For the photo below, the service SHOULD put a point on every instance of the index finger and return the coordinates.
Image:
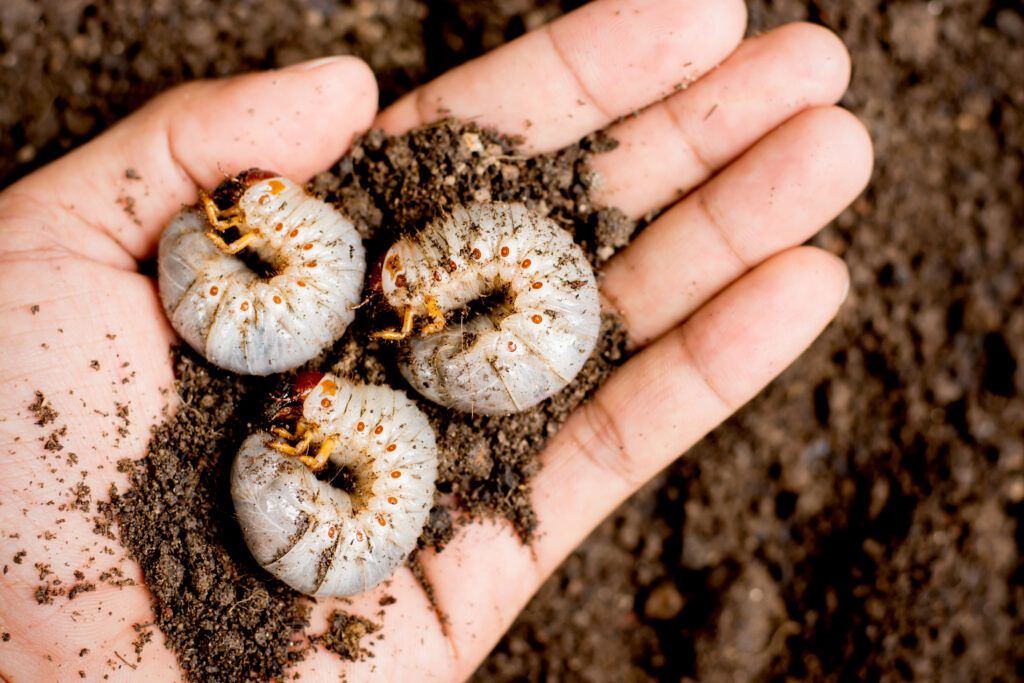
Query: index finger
(581, 72)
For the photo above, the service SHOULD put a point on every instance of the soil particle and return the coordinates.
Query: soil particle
(77, 588)
(53, 441)
(82, 494)
(45, 414)
(144, 637)
(344, 634)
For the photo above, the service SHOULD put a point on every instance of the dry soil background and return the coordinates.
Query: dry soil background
(862, 517)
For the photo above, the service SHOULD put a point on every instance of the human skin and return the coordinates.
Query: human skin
(749, 161)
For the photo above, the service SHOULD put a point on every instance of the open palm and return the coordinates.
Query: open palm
(749, 161)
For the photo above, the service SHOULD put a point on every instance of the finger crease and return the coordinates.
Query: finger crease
(613, 303)
(702, 201)
(426, 584)
(690, 358)
(172, 154)
(420, 105)
(606, 449)
(575, 75)
(706, 166)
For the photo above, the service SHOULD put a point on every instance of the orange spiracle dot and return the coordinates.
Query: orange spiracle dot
(536, 319)
(300, 283)
(245, 306)
(311, 264)
(477, 254)
(359, 535)
(264, 199)
(437, 276)
(452, 265)
(391, 448)
(526, 263)
(393, 264)
(360, 427)
(379, 429)
(326, 403)
(277, 299)
(392, 500)
(279, 227)
(294, 232)
(504, 251)
(330, 532)
(307, 246)
(400, 280)
(214, 290)
(396, 474)
(537, 285)
(380, 520)
(511, 346)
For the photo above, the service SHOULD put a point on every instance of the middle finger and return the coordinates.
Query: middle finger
(678, 143)
(778, 194)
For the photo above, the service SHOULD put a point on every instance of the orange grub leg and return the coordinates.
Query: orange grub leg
(236, 246)
(298, 449)
(398, 335)
(315, 463)
(437, 316)
(223, 220)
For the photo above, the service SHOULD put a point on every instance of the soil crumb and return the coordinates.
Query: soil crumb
(344, 634)
(225, 617)
(45, 414)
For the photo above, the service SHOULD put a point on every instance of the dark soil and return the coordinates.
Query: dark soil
(344, 633)
(862, 517)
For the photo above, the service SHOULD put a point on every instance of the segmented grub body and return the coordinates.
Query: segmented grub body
(527, 346)
(247, 323)
(317, 538)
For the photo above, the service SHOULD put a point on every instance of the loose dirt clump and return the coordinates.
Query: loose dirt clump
(45, 414)
(344, 635)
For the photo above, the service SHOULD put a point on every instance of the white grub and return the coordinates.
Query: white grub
(257, 325)
(317, 538)
(520, 351)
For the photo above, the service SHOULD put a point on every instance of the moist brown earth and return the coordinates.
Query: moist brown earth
(862, 517)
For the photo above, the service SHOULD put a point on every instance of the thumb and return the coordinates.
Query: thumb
(131, 180)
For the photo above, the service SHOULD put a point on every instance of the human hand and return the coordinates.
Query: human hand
(715, 291)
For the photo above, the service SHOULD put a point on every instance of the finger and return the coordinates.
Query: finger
(655, 407)
(581, 72)
(678, 143)
(295, 121)
(775, 196)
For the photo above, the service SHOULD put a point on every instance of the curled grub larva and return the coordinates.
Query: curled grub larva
(315, 537)
(524, 348)
(261, 323)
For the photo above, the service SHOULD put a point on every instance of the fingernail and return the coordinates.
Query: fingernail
(313, 64)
